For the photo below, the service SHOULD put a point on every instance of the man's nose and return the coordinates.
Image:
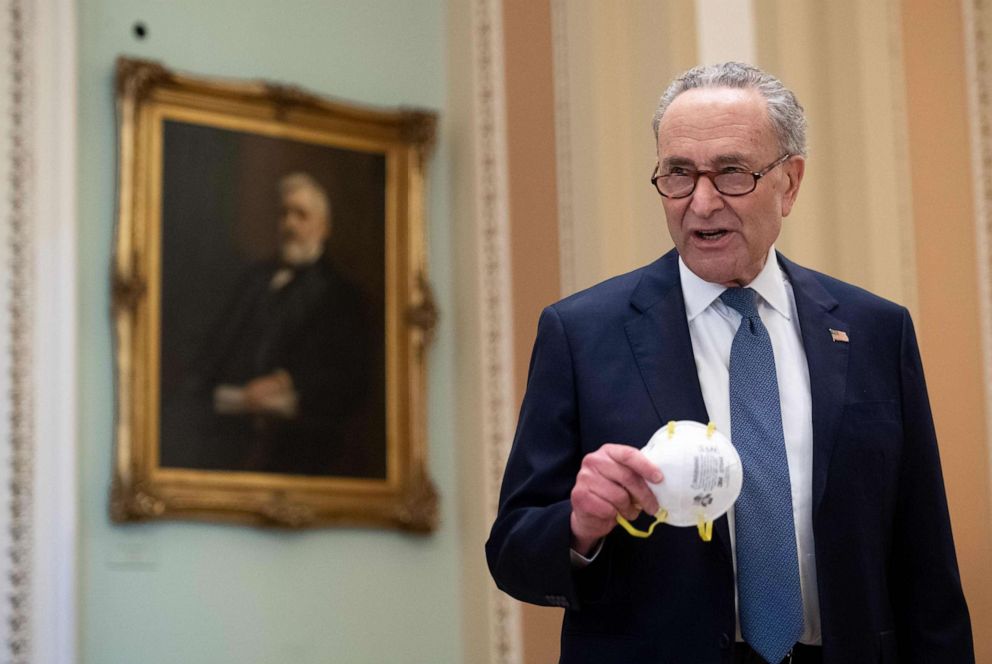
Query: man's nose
(705, 199)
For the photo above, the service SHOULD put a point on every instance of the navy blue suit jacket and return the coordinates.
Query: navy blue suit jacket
(613, 364)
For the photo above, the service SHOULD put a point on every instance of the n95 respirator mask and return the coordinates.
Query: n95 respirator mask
(703, 477)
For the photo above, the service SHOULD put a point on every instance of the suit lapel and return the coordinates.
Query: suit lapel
(827, 361)
(659, 339)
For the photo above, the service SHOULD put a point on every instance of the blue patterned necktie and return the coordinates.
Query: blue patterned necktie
(768, 591)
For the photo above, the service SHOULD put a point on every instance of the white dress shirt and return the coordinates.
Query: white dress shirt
(712, 326)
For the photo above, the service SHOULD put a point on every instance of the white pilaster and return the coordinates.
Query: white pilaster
(496, 311)
(38, 438)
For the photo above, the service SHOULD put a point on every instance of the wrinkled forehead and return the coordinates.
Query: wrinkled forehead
(707, 123)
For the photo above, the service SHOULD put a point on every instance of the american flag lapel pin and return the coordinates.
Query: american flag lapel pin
(839, 336)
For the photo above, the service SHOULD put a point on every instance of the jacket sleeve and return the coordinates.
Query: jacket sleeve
(528, 547)
(932, 622)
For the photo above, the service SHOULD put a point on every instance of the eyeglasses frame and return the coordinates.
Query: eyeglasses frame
(757, 175)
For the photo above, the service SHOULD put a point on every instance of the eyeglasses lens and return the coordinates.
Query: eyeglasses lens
(731, 184)
(734, 183)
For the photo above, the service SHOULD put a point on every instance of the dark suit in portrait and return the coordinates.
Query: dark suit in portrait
(284, 379)
(312, 328)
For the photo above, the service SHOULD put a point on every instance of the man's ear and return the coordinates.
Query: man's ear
(794, 168)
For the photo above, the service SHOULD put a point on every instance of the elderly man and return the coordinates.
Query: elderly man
(286, 365)
(839, 548)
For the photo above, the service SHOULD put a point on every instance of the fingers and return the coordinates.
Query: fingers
(635, 460)
(628, 470)
(612, 480)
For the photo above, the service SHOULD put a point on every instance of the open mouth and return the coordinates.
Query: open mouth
(711, 235)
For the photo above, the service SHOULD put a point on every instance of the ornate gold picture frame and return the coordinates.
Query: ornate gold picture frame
(271, 306)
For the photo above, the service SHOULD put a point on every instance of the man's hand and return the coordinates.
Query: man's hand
(271, 394)
(612, 480)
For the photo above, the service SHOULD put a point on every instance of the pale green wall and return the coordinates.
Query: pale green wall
(217, 594)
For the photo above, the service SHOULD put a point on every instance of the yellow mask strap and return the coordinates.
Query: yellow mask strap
(629, 527)
(705, 529)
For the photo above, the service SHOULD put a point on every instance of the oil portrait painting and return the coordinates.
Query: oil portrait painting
(272, 307)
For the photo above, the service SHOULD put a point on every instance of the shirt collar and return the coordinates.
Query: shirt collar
(769, 284)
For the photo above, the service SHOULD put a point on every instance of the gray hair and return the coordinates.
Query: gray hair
(784, 111)
(293, 181)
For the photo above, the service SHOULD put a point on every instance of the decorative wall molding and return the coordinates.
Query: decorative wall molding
(37, 445)
(18, 438)
(496, 312)
(978, 62)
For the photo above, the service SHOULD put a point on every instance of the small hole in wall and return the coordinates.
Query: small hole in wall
(140, 31)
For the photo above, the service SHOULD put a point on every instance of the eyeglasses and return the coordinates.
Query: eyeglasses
(681, 182)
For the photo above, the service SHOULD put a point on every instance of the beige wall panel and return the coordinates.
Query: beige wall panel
(939, 151)
(781, 29)
(531, 158)
(843, 60)
(725, 31)
(620, 56)
(533, 209)
(978, 41)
